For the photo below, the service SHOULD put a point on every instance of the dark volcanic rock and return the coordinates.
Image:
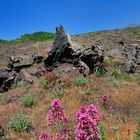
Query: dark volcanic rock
(20, 61)
(6, 78)
(65, 51)
(131, 56)
(1, 131)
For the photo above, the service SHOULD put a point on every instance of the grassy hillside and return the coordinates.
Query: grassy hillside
(134, 30)
(33, 37)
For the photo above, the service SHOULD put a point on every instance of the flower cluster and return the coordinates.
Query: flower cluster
(44, 135)
(57, 117)
(49, 76)
(91, 110)
(56, 113)
(104, 99)
(87, 118)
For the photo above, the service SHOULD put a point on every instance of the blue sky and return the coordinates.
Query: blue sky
(77, 16)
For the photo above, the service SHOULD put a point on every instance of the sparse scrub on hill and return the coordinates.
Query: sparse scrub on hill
(137, 132)
(44, 83)
(28, 101)
(20, 124)
(134, 30)
(14, 85)
(33, 37)
(83, 45)
(102, 131)
(57, 93)
(118, 75)
(80, 81)
(98, 72)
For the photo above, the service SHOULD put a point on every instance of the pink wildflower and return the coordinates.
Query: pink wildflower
(44, 135)
(87, 128)
(104, 99)
(49, 76)
(91, 110)
(88, 119)
(56, 113)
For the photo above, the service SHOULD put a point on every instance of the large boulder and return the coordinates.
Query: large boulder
(20, 61)
(66, 51)
(6, 79)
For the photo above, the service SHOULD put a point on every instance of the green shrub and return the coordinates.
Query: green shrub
(20, 124)
(28, 101)
(102, 129)
(44, 83)
(134, 30)
(14, 85)
(137, 132)
(97, 72)
(80, 81)
(117, 74)
(83, 45)
(58, 93)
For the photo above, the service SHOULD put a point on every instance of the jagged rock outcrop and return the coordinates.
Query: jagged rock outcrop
(18, 69)
(65, 51)
(23, 61)
(6, 78)
(131, 56)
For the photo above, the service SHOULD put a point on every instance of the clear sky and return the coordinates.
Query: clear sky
(77, 16)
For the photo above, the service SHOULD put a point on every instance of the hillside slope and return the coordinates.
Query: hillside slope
(115, 93)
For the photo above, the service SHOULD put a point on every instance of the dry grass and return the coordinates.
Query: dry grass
(124, 101)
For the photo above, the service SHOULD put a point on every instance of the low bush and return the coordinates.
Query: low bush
(80, 81)
(19, 124)
(97, 72)
(102, 129)
(28, 101)
(44, 83)
(58, 93)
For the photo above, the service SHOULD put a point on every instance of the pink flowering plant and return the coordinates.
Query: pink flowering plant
(44, 135)
(58, 120)
(105, 101)
(49, 76)
(87, 118)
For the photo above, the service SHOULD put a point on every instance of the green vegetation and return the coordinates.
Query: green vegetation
(97, 72)
(20, 124)
(118, 75)
(33, 37)
(58, 93)
(3, 41)
(137, 132)
(28, 101)
(14, 85)
(134, 30)
(102, 129)
(80, 81)
(93, 34)
(44, 83)
(83, 45)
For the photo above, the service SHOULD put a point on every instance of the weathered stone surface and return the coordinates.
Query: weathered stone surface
(6, 78)
(26, 76)
(65, 51)
(138, 54)
(20, 61)
(1, 131)
(131, 56)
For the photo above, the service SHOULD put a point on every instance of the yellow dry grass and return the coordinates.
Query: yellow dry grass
(123, 98)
